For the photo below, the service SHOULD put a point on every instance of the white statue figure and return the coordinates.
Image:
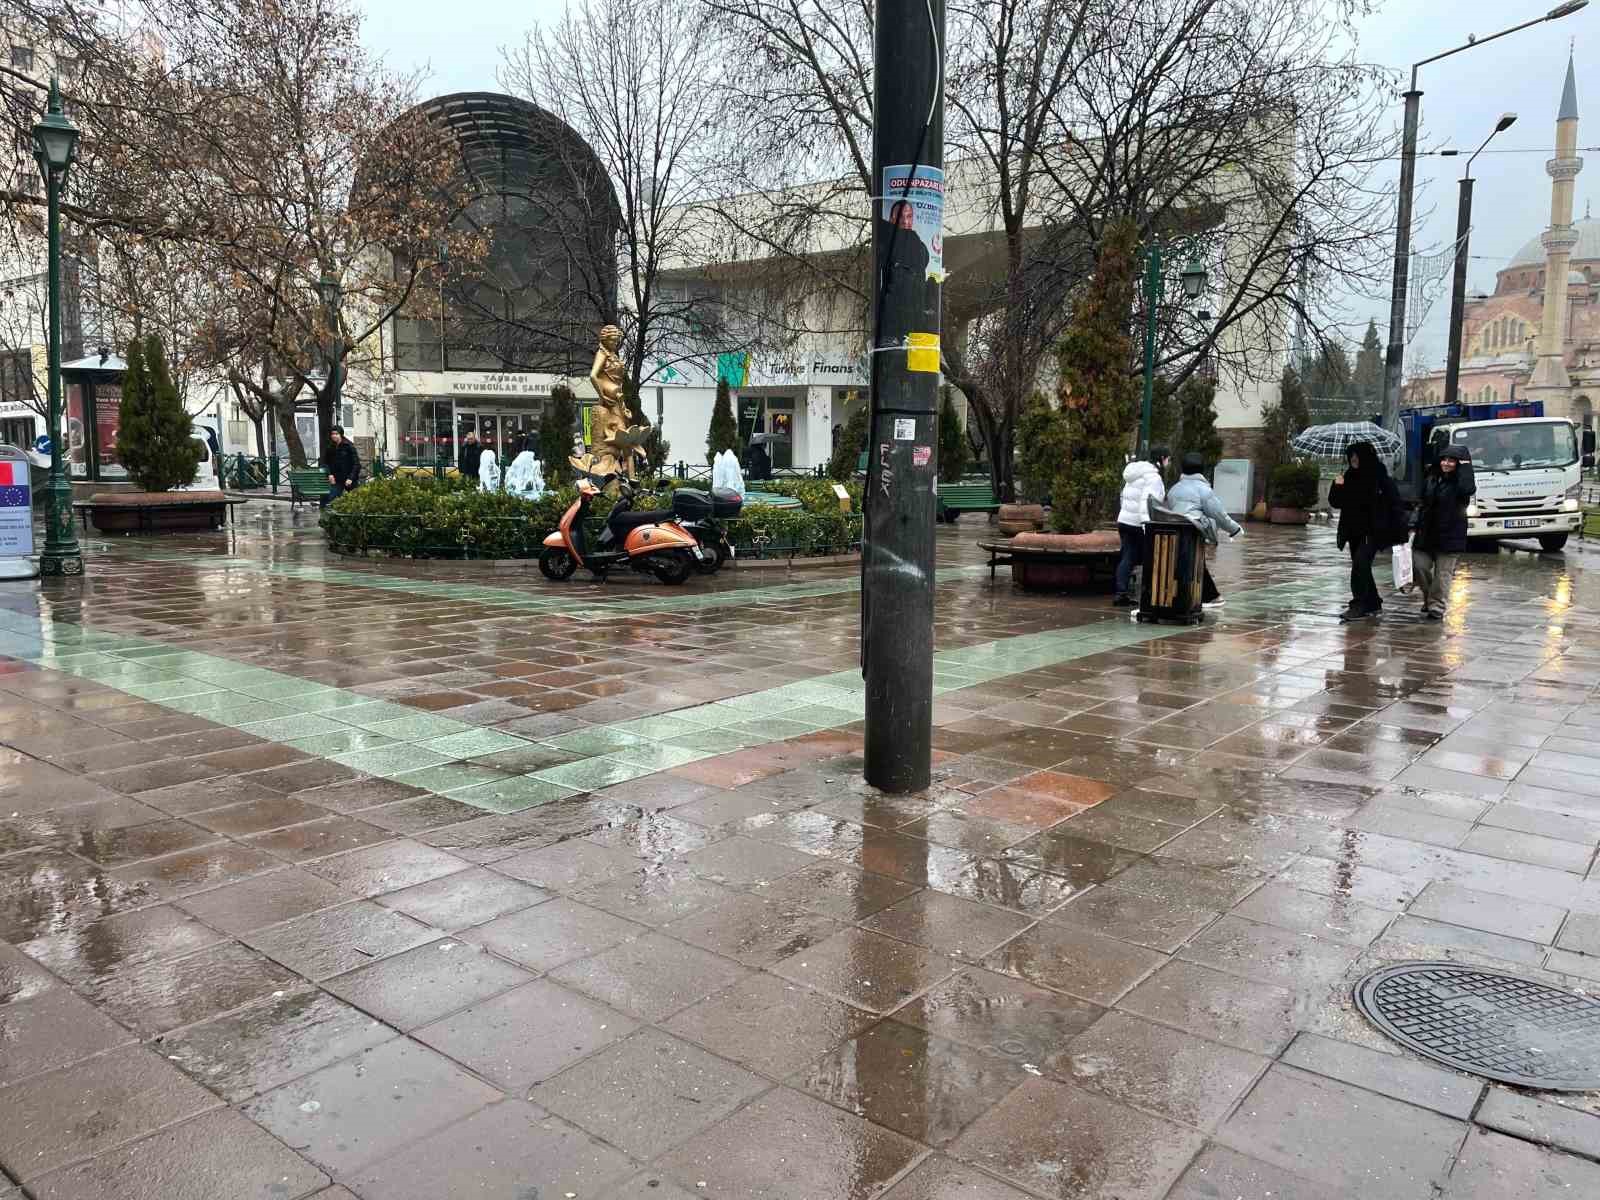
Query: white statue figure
(524, 478)
(489, 471)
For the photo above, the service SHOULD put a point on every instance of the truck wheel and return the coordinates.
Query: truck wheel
(1552, 541)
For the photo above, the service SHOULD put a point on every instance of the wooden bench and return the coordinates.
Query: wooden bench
(958, 498)
(307, 484)
(1057, 562)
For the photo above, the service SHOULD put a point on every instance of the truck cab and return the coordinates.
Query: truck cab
(1529, 476)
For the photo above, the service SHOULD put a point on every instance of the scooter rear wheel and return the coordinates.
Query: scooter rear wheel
(557, 563)
(719, 551)
(672, 568)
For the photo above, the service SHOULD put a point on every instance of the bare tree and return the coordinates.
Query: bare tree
(636, 80)
(1248, 124)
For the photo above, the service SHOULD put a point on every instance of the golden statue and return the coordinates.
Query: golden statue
(616, 447)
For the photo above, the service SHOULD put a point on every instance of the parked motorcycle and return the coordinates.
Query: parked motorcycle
(650, 541)
(703, 514)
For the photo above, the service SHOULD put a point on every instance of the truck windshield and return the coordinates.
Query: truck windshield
(1511, 447)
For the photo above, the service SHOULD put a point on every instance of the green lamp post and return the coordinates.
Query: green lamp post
(55, 147)
(1193, 277)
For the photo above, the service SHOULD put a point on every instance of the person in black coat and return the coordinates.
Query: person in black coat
(471, 452)
(342, 464)
(1442, 527)
(1371, 518)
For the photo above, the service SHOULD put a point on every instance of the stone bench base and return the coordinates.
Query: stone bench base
(155, 512)
(1059, 562)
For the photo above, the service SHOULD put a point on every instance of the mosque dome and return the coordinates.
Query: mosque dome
(1587, 250)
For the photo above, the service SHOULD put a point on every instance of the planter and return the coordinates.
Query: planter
(1020, 518)
(157, 512)
(1288, 516)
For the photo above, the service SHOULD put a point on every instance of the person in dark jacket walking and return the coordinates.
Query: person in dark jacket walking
(342, 465)
(1442, 528)
(471, 452)
(1370, 519)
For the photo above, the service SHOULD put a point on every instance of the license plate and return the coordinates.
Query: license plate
(1525, 523)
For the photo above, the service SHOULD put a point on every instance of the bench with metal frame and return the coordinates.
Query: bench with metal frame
(307, 484)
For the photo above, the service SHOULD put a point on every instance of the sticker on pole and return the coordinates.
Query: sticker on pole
(922, 353)
(16, 505)
(914, 205)
(921, 456)
(905, 429)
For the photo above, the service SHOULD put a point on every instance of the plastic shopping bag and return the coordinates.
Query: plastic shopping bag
(1404, 578)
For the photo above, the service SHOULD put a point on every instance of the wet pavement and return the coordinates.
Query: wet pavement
(361, 878)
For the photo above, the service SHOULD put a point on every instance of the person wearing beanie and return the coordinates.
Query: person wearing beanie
(342, 464)
(1192, 497)
(1442, 528)
(1142, 482)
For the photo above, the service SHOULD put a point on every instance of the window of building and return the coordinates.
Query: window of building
(22, 58)
(16, 377)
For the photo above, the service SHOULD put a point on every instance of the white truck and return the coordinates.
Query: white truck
(1529, 476)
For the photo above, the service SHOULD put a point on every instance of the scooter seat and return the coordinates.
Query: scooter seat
(632, 520)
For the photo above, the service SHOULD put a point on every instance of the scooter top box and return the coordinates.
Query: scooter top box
(692, 504)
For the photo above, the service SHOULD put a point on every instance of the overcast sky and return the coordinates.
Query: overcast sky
(1463, 97)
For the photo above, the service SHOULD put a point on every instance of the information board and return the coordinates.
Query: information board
(16, 504)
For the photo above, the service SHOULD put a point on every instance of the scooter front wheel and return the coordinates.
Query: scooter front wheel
(557, 563)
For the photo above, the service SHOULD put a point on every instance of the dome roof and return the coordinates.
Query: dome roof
(1587, 250)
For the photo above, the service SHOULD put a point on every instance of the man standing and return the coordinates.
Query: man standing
(342, 464)
(471, 452)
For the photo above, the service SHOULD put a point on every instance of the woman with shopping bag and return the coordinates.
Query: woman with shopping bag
(1372, 518)
(1442, 527)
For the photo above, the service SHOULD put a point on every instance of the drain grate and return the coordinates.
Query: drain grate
(1488, 1023)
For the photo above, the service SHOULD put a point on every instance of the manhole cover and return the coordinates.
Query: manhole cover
(1488, 1023)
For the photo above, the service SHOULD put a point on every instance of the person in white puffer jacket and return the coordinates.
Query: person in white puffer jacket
(1141, 483)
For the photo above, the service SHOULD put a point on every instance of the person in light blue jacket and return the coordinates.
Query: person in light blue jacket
(1192, 497)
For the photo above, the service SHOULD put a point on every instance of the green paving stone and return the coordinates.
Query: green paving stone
(532, 757)
(376, 712)
(414, 728)
(449, 777)
(658, 729)
(595, 740)
(389, 761)
(344, 741)
(475, 743)
(592, 774)
(657, 755)
(285, 729)
(512, 794)
(169, 689)
(706, 716)
(774, 729)
(327, 701)
(713, 741)
(277, 689)
(252, 712)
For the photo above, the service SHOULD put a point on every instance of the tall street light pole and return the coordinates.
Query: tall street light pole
(1194, 278)
(897, 553)
(1458, 286)
(1394, 361)
(55, 147)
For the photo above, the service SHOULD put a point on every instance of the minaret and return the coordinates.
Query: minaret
(1550, 381)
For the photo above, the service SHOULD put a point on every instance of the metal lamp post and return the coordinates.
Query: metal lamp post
(330, 293)
(1394, 360)
(1458, 285)
(1193, 277)
(55, 148)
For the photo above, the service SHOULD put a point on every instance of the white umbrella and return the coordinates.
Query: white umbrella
(1334, 441)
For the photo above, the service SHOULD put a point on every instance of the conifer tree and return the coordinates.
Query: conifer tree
(842, 466)
(153, 435)
(952, 441)
(555, 435)
(723, 433)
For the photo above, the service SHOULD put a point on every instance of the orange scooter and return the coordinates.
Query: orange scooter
(647, 541)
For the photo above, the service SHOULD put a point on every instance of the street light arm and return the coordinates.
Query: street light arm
(1555, 14)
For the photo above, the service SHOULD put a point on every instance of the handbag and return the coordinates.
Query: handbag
(1404, 572)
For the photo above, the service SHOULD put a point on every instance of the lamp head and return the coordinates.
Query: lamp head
(55, 138)
(1565, 10)
(1193, 278)
(328, 291)
(1507, 120)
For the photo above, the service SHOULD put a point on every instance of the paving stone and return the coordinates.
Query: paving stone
(1525, 919)
(1070, 960)
(52, 1028)
(268, 899)
(865, 969)
(1544, 1121)
(769, 1025)
(950, 926)
(492, 1037)
(1397, 1076)
(1057, 1139)
(335, 940)
(1343, 1136)
(154, 997)
(650, 977)
(775, 1134)
(1581, 933)
(509, 1149)
(54, 1119)
(937, 1178)
(220, 1156)
(1129, 917)
(1269, 955)
(544, 937)
(1332, 917)
(1237, 1012)
(367, 1108)
(1220, 1172)
(424, 984)
(390, 867)
(648, 1093)
(1493, 1167)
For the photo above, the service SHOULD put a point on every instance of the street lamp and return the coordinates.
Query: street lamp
(55, 148)
(1194, 278)
(1458, 286)
(330, 293)
(1394, 361)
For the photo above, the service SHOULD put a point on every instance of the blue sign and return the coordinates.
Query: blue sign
(42, 443)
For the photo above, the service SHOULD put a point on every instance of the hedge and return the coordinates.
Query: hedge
(421, 517)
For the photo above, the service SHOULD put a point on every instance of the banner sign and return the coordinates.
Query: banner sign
(16, 504)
